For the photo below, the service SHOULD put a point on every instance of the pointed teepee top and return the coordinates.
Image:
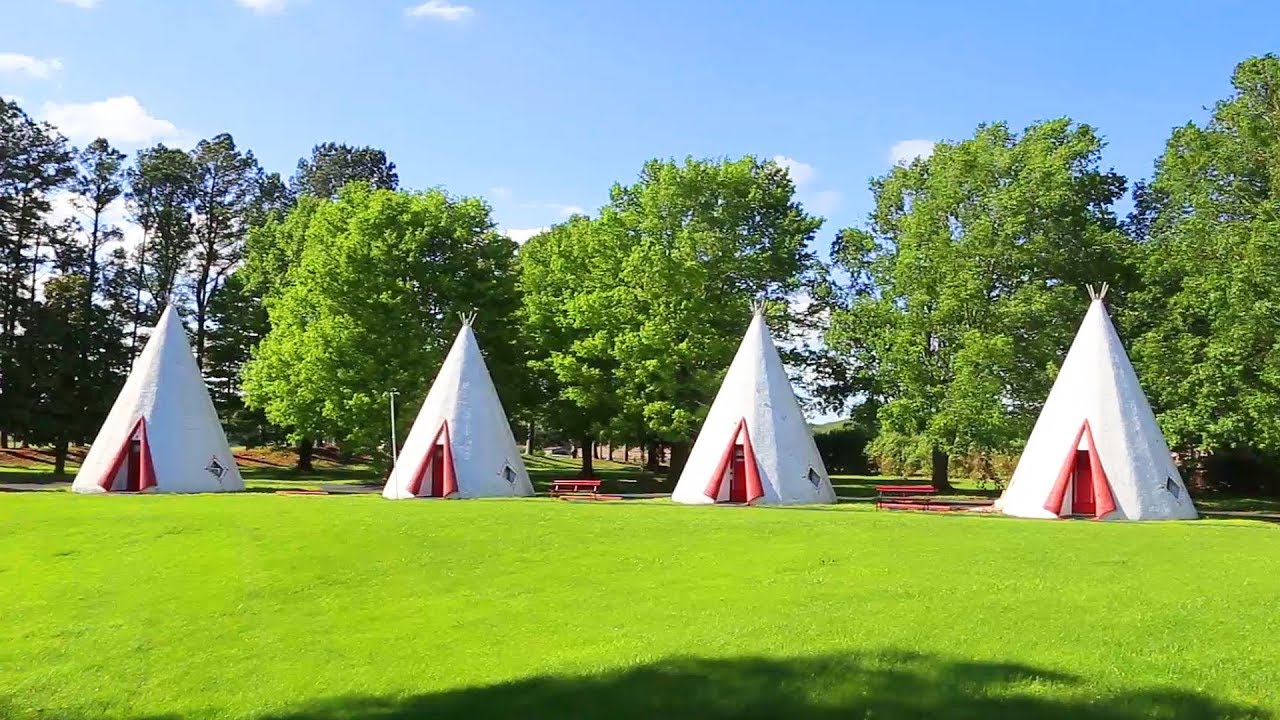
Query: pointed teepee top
(1097, 293)
(758, 307)
(168, 318)
(468, 318)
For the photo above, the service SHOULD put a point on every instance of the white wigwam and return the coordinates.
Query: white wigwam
(163, 433)
(755, 446)
(1096, 450)
(461, 444)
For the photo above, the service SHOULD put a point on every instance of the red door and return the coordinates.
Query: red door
(133, 471)
(437, 472)
(738, 476)
(1082, 502)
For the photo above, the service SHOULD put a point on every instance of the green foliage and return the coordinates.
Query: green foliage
(371, 304)
(965, 291)
(569, 285)
(228, 183)
(35, 162)
(704, 238)
(843, 448)
(1209, 311)
(162, 195)
(636, 314)
(333, 165)
(239, 322)
(76, 362)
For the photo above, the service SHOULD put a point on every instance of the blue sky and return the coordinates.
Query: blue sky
(542, 105)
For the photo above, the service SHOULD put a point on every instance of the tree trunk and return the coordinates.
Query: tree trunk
(200, 332)
(528, 441)
(573, 451)
(60, 458)
(306, 447)
(610, 452)
(940, 462)
(679, 456)
(137, 298)
(4, 440)
(651, 456)
(588, 450)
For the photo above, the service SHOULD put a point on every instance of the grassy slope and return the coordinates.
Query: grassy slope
(335, 607)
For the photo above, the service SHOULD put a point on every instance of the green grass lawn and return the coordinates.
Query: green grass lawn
(265, 606)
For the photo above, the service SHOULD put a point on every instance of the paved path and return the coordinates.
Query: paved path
(34, 487)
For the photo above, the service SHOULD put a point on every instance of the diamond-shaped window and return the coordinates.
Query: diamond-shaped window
(216, 468)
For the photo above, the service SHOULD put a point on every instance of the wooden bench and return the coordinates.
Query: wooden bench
(904, 497)
(580, 487)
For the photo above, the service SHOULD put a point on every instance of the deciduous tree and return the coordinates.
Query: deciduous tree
(372, 305)
(700, 240)
(966, 287)
(635, 315)
(1208, 348)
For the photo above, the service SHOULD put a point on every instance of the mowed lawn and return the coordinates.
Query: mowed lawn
(265, 606)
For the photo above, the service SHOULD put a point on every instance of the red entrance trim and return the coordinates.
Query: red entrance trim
(1104, 501)
(449, 483)
(146, 468)
(755, 489)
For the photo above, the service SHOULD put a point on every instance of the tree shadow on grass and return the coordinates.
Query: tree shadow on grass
(834, 687)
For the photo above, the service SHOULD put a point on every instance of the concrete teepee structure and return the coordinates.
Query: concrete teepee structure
(755, 446)
(461, 444)
(1096, 450)
(162, 434)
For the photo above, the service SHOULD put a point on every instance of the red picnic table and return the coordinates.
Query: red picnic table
(575, 486)
(904, 497)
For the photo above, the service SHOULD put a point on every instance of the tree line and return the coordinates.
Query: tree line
(937, 325)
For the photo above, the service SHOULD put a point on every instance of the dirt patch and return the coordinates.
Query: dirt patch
(274, 457)
(37, 458)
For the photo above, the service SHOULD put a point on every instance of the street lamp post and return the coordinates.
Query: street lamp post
(392, 396)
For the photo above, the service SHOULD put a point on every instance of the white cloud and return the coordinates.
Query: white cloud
(440, 10)
(501, 192)
(801, 173)
(64, 206)
(826, 202)
(264, 7)
(122, 120)
(40, 68)
(904, 152)
(82, 4)
(562, 209)
(522, 235)
(9, 97)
